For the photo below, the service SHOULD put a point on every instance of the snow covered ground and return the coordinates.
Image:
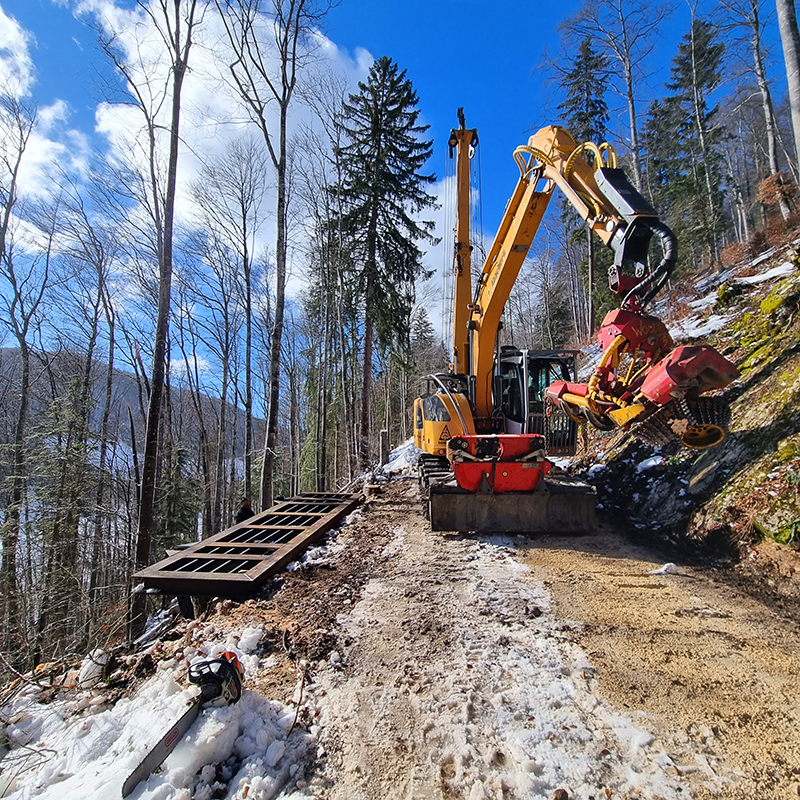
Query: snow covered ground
(76, 748)
(453, 679)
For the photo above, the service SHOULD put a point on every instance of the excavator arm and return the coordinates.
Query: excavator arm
(588, 176)
(498, 456)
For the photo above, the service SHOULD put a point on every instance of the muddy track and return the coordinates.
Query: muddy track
(448, 666)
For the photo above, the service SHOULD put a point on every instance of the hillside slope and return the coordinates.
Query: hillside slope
(740, 501)
(393, 663)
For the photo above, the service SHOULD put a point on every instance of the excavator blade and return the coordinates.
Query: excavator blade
(559, 506)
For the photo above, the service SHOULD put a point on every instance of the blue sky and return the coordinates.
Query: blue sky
(485, 57)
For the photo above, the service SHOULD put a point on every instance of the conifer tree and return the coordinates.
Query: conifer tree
(696, 194)
(585, 109)
(586, 115)
(383, 189)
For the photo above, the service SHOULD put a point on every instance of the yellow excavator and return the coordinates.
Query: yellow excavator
(487, 426)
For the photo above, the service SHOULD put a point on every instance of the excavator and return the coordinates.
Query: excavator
(488, 427)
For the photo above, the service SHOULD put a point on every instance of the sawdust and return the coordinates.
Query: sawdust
(705, 661)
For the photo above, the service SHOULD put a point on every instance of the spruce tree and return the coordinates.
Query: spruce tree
(383, 191)
(664, 164)
(695, 192)
(585, 109)
(586, 114)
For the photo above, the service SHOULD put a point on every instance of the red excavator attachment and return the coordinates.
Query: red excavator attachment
(686, 372)
(498, 463)
(643, 385)
(502, 488)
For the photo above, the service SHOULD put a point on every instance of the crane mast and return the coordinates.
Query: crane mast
(462, 143)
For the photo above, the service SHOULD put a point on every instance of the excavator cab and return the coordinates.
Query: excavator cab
(521, 377)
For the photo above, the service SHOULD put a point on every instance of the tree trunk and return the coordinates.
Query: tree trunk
(147, 520)
(366, 388)
(699, 105)
(97, 538)
(790, 40)
(271, 439)
(766, 102)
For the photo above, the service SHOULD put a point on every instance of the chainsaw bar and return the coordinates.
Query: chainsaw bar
(153, 760)
(221, 678)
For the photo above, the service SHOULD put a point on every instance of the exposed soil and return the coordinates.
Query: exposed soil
(448, 666)
(703, 660)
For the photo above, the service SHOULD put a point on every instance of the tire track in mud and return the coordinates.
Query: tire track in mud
(459, 682)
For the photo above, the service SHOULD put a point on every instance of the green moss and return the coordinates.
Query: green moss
(765, 352)
(785, 534)
(727, 294)
(791, 375)
(788, 449)
(776, 297)
(770, 303)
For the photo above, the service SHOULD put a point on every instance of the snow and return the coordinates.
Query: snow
(91, 672)
(649, 463)
(667, 569)
(704, 302)
(776, 272)
(694, 328)
(403, 459)
(76, 749)
(249, 639)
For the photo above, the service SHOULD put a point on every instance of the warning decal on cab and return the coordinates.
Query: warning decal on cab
(445, 436)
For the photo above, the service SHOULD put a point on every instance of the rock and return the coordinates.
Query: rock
(560, 794)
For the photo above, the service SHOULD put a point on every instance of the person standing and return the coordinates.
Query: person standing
(245, 511)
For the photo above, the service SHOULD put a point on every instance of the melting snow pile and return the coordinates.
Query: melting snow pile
(76, 748)
(402, 460)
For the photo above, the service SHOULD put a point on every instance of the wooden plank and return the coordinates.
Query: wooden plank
(198, 570)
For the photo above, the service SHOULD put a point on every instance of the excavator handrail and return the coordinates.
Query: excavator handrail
(441, 384)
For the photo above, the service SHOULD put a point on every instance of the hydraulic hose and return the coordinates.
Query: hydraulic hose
(660, 275)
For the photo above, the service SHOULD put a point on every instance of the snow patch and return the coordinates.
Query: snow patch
(70, 753)
(403, 459)
(649, 463)
(668, 569)
(781, 271)
(694, 328)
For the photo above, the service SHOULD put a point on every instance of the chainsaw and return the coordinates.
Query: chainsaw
(219, 678)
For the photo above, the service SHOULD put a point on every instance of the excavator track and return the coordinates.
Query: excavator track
(433, 470)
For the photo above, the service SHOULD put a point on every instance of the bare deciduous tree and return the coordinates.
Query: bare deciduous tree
(259, 33)
(790, 39)
(626, 32)
(174, 23)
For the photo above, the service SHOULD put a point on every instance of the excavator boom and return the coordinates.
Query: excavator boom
(480, 423)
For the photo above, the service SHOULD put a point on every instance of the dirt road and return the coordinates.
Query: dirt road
(447, 666)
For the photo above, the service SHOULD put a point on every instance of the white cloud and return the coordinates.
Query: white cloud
(16, 66)
(212, 114)
(51, 142)
(52, 146)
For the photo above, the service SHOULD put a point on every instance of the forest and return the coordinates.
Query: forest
(160, 359)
